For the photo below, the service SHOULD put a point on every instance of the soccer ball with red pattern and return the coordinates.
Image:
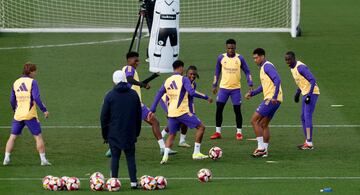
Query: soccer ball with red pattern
(215, 153)
(73, 183)
(55, 184)
(63, 181)
(46, 181)
(97, 184)
(148, 183)
(204, 175)
(113, 185)
(161, 182)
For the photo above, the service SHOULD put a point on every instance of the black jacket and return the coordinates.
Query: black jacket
(121, 117)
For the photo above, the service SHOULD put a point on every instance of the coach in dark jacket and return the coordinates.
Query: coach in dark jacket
(121, 124)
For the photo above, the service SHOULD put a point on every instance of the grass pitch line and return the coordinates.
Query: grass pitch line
(146, 126)
(65, 44)
(215, 178)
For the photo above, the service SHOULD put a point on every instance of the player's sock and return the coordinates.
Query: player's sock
(166, 152)
(197, 148)
(182, 138)
(260, 141)
(42, 157)
(218, 129)
(163, 133)
(161, 143)
(7, 155)
(238, 130)
(266, 145)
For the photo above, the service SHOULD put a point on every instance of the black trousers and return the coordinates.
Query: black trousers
(130, 158)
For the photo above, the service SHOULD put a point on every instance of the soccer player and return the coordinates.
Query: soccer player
(308, 88)
(192, 74)
(25, 96)
(135, 84)
(230, 65)
(177, 88)
(271, 88)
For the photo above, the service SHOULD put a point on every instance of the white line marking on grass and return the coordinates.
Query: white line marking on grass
(337, 105)
(215, 178)
(230, 126)
(65, 44)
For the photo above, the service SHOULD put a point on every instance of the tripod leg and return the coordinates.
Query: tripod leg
(140, 33)
(135, 33)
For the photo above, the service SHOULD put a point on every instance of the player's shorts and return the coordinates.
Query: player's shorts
(190, 120)
(223, 96)
(164, 33)
(33, 125)
(144, 111)
(267, 109)
(164, 106)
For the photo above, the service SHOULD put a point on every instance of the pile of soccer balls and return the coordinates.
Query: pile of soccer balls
(152, 183)
(64, 183)
(97, 183)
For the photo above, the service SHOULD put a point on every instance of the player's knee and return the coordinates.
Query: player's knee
(201, 127)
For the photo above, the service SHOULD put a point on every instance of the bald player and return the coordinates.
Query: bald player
(25, 96)
(229, 65)
(178, 89)
(308, 87)
(271, 88)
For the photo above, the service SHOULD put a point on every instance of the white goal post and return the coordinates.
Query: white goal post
(121, 15)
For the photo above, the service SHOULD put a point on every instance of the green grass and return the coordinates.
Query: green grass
(74, 79)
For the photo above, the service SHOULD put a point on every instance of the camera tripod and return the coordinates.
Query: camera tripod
(139, 26)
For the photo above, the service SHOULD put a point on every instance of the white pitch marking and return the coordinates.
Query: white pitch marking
(337, 105)
(65, 44)
(271, 161)
(230, 126)
(218, 178)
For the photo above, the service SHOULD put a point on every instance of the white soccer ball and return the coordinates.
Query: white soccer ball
(73, 183)
(204, 175)
(97, 174)
(113, 185)
(215, 153)
(64, 180)
(161, 182)
(97, 184)
(148, 183)
(46, 181)
(55, 184)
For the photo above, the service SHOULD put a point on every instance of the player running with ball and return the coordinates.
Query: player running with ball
(178, 88)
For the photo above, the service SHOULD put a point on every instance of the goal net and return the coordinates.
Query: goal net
(121, 15)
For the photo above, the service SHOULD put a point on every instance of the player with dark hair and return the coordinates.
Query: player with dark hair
(25, 96)
(307, 86)
(178, 88)
(230, 65)
(271, 88)
(134, 83)
(192, 74)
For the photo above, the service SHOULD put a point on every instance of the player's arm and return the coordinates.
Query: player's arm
(256, 91)
(129, 73)
(35, 92)
(246, 70)
(305, 72)
(105, 118)
(217, 73)
(13, 100)
(191, 91)
(158, 96)
(274, 76)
